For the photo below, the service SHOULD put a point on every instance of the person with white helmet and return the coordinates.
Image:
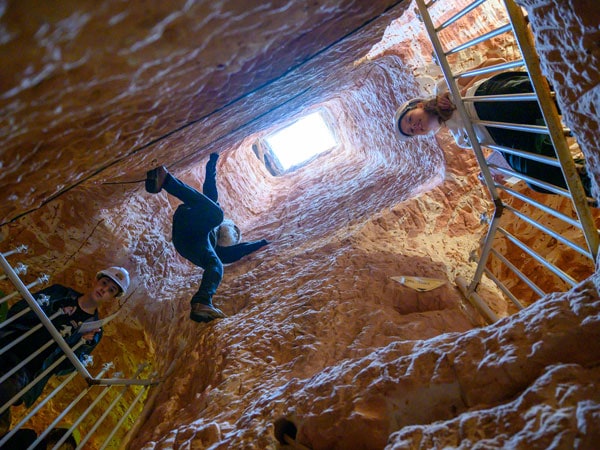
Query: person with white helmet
(74, 309)
(423, 116)
(201, 234)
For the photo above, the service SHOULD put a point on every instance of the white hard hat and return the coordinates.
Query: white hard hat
(119, 275)
(228, 234)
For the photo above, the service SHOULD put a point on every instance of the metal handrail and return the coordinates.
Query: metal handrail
(550, 113)
(108, 383)
(479, 39)
(57, 337)
(460, 14)
(24, 291)
(559, 273)
(553, 128)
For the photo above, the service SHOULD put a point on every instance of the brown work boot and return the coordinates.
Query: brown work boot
(155, 179)
(205, 313)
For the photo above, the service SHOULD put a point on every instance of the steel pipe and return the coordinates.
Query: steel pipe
(458, 15)
(480, 39)
(551, 267)
(534, 287)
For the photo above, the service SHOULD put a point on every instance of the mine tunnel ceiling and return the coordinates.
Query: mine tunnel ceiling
(164, 83)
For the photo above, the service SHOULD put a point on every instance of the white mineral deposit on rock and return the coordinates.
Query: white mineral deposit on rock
(318, 334)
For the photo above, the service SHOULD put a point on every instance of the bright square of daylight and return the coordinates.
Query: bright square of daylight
(302, 140)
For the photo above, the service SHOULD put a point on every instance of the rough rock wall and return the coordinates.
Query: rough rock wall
(567, 38)
(318, 334)
(110, 87)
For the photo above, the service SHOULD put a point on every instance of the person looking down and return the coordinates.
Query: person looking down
(422, 116)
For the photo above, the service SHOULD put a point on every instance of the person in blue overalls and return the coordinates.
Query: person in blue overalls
(201, 234)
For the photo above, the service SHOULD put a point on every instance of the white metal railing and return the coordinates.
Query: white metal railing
(98, 387)
(553, 128)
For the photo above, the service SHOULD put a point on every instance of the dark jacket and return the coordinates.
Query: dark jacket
(59, 297)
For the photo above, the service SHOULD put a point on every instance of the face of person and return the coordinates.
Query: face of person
(105, 289)
(417, 122)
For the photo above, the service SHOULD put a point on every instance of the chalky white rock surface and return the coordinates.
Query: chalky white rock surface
(318, 333)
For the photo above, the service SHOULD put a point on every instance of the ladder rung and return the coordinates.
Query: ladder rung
(489, 69)
(457, 16)
(532, 156)
(540, 206)
(555, 270)
(514, 126)
(544, 185)
(520, 274)
(501, 98)
(480, 39)
(549, 231)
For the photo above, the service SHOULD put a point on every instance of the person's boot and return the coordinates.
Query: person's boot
(201, 312)
(155, 179)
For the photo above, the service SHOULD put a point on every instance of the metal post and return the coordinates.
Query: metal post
(64, 413)
(39, 406)
(40, 280)
(550, 113)
(43, 318)
(108, 410)
(28, 333)
(19, 249)
(124, 416)
(35, 380)
(87, 410)
(19, 269)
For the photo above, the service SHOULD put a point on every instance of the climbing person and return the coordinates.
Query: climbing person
(72, 309)
(201, 234)
(421, 116)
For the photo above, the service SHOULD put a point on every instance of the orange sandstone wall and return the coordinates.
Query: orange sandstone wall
(318, 333)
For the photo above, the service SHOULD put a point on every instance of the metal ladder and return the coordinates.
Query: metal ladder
(554, 129)
(98, 386)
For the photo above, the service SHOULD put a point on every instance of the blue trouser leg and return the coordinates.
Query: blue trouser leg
(211, 278)
(192, 198)
(209, 188)
(193, 222)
